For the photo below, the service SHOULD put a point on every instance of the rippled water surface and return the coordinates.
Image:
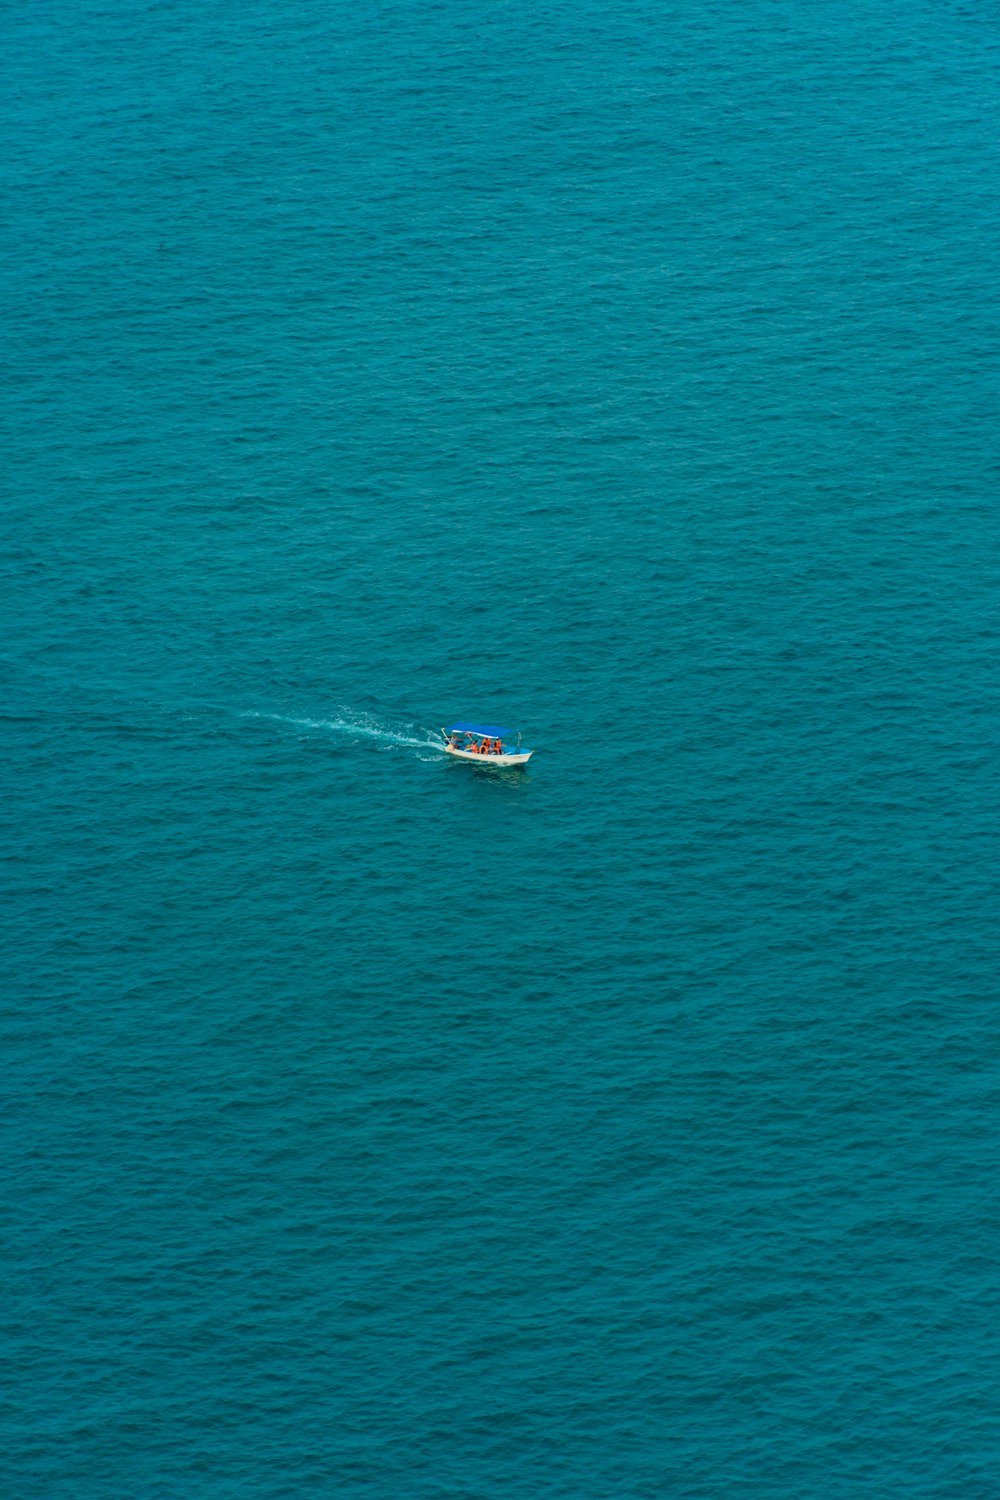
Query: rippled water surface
(381, 1127)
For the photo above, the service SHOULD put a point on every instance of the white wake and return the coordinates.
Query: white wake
(362, 728)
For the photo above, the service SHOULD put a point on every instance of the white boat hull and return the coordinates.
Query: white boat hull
(517, 758)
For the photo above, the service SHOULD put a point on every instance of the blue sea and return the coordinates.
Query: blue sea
(382, 1127)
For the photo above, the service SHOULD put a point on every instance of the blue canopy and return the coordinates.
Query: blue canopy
(490, 730)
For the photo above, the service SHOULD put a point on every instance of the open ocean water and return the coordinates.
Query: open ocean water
(378, 1127)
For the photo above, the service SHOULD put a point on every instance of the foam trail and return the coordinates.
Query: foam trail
(347, 726)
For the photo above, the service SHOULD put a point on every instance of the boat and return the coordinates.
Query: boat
(486, 744)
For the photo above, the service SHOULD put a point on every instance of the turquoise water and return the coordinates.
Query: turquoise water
(385, 1128)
